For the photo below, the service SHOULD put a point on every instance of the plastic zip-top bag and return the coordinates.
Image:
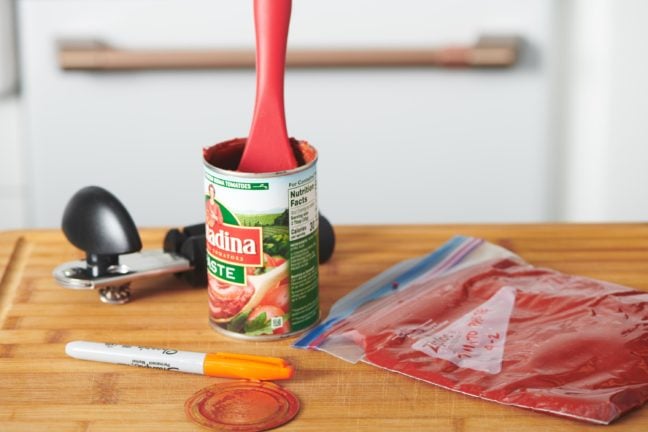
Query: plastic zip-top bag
(477, 319)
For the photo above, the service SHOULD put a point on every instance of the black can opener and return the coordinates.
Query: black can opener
(96, 222)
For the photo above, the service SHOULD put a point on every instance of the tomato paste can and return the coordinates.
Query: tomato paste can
(262, 244)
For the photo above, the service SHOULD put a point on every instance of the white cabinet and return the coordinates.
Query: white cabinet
(396, 145)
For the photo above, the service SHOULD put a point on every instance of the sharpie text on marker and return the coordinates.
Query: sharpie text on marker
(225, 365)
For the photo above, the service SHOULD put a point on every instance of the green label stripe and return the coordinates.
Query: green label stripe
(228, 216)
(225, 271)
(237, 185)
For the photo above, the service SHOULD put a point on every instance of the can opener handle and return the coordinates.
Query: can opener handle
(96, 222)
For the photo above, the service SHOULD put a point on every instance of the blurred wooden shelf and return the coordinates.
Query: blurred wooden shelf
(487, 52)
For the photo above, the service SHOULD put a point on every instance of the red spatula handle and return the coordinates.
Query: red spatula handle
(268, 148)
(271, 19)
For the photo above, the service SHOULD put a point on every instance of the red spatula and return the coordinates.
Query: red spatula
(267, 148)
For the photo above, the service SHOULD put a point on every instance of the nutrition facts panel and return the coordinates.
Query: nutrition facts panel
(302, 201)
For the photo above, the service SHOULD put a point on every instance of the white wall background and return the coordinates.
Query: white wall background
(606, 121)
(12, 186)
(575, 109)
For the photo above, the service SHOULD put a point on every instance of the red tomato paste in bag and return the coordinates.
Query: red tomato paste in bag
(477, 319)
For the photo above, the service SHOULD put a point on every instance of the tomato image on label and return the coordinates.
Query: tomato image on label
(249, 289)
(278, 295)
(266, 319)
(228, 300)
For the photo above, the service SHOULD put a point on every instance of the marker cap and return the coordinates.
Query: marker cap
(247, 366)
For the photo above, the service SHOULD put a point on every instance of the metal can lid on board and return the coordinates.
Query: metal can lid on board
(243, 406)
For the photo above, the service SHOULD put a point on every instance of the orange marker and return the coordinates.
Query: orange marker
(223, 365)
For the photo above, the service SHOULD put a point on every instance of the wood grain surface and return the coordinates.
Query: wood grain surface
(43, 389)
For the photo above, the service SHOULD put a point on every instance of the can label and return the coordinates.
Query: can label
(262, 251)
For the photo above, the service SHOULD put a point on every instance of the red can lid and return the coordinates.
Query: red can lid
(242, 406)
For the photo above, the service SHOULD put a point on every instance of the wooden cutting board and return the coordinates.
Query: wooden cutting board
(42, 389)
